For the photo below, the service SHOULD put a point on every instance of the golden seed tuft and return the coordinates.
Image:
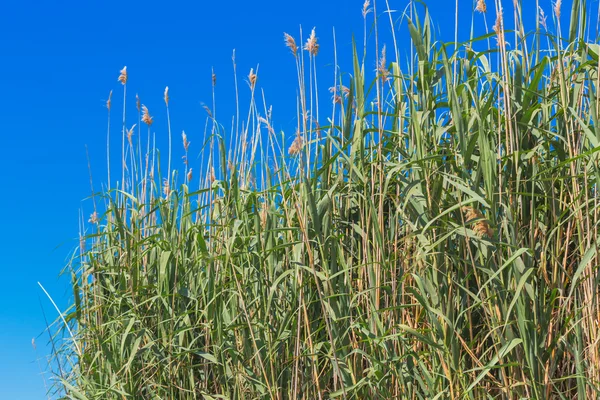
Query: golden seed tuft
(382, 67)
(481, 7)
(166, 187)
(481, 227)
(290, 44)
(167, 95)
(557, 7)
(93, 218)
(366, 9)
(189, 175)
(109, 101)
(311, 44)
(498, 29)
(207, 110)
(252, 78)
(337, 99)
(123, 76)
(146, 118)
(296, 146)
(264, 212)
(186, 143)
(130, 134)
(543, 19)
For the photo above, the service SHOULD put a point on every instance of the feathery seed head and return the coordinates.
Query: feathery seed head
(382, 67)
(166, 187)
(296, 146)
(481, 227)
(366, 9)
(252, 78)
(337, 99)
(123, 76)
(543, 19)
(481, 7)
(130, 134)
(345, 91)
(146, 118)
(214, 78)
(137, 102)
(263, 214)
(290, 44)
(93, 218)
(207, 110)
(167, 95)
(311, 44)
(498, 28)
(557, 7)
(189, 175)
(186, 144)
(109, 101)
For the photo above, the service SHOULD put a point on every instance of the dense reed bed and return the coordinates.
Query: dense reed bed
(431, 235)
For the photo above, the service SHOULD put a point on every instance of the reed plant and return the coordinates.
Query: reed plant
(429, 232)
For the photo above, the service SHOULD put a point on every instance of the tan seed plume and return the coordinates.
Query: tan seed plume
(543, 18)
(108, 102)
(123, 76)
(167, 95)
(311, 44)
(137, 102)
(290, 43)
(93, 218)
(499, 29)
(189, 175)
(382, 66)
(207, 110)
(166, 187)
(146, 118)
(366, 9)
(252, 78)
(481, 227)
(130, 134)
(296, 146)
(337, 99)
(186, 143)
(264, 212)
(557, 7)
(481, 7)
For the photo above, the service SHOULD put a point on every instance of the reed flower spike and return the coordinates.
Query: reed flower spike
(296, 146)
(366, 8)
(290, 43)
(252, 78)
(123, 76)
(311, 44)
(481, 226)
(481, 7)
(108, 102)
(146, 118)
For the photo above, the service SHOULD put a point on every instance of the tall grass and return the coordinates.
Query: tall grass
(431, 234)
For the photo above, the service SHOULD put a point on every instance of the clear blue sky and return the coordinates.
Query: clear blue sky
(59, 62)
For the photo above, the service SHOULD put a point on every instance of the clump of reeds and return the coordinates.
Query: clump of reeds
(436, 238)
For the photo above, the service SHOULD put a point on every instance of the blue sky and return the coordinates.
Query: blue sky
(61, 59)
